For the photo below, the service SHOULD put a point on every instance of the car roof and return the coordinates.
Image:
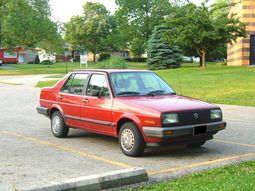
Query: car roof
(109, 70)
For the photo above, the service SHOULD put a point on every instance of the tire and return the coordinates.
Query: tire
(199, 144)
(131, 140)
(58, 126)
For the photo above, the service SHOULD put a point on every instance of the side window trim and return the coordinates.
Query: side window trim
(84, 90)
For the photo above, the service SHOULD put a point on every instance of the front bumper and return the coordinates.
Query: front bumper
(181, 131)
(43, 110)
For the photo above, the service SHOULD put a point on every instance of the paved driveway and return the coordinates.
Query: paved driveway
(30, 155)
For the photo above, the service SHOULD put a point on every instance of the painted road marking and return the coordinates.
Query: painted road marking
(233, 143)
(115, 163)
(201, 164)
(67, 149)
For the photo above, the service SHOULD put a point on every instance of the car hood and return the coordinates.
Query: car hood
(163, 103)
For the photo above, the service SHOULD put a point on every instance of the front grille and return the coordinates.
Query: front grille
(188, 117)
(194, 117)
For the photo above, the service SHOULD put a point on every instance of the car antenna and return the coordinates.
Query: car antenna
(179, 83)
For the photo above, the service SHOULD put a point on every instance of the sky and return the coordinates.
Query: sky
(63, 10)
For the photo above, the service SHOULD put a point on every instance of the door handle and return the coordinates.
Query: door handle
(85, 100)
(60, 96)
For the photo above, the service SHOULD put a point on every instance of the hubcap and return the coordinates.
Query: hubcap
(56, 124)
(127, 140)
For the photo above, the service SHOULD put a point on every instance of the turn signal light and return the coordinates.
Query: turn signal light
(223, 125)
(169, 132)
(149, 122)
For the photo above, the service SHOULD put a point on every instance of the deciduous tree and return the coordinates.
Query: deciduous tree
(27, 23)
(141, 17)
(197, 27)
(90, 30)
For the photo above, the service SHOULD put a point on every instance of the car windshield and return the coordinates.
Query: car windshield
(139, 83)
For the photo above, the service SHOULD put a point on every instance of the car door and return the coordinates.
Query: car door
(96, 106)
(70, 96)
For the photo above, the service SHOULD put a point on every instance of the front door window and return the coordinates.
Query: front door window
(97, 86)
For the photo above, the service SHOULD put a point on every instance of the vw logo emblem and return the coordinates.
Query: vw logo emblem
(195, 115)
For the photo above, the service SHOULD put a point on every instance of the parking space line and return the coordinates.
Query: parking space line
(67, 149)
(234, 143)
(201, 164)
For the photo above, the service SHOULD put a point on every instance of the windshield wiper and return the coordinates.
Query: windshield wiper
(156, 92)
(129, 93)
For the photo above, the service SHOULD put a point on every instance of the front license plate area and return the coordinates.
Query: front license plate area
(200, 130)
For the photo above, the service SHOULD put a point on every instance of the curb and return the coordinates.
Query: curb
(99, 181)
(10, 83)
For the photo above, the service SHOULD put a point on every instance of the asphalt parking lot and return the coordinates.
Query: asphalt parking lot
(30, 155)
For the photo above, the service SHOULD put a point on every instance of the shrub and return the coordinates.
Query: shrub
(37, 60)
(114, 63)
(104, 56)
(136, 59)
(46, 62)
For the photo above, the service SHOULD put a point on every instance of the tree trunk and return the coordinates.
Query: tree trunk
(94, 57)
(203, 59)
(202, 55)
(200, 61)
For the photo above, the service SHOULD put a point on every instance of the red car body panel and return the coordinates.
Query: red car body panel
(103, 115)
(98, 110)
(142, 109)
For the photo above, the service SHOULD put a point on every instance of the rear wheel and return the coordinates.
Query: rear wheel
(131, 140)
(58, 126)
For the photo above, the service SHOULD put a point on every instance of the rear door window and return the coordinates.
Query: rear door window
(74, 84)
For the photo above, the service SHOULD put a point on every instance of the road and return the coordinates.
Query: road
(30, 155)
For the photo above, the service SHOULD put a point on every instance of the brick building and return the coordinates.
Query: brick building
(242, 53)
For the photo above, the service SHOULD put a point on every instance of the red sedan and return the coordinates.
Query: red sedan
(136, 106)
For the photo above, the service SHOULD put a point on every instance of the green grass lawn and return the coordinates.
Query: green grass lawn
(47, 83)
(228, 178)
(217, 84)
(56, 68)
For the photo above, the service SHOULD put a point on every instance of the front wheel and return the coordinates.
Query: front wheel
(131, 140)
(58, 126)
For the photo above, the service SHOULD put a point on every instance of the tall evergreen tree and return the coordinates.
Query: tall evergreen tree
(160, 54)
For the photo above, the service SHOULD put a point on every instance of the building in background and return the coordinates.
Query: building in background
(242, 53)
(18, 56)
(125, 53)
(12, 57)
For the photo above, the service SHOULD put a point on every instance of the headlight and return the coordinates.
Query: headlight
(169, 118)
(216, 114)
